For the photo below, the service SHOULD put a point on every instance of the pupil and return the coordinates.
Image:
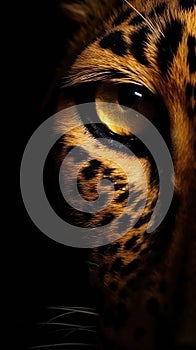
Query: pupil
(130, 96)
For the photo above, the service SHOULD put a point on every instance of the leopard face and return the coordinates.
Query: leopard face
(141, 55)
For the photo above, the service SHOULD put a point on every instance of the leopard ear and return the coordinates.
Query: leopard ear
(85, 11)
(85, 18)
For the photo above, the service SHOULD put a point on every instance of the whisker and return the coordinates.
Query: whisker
(59, 330)
(158, 24)
(80, 327)
(62, 315)
(63, 344)
(140, 14)
(63, 330)
(81, 310)
(77, 330)
(72, 307)
(90, 263)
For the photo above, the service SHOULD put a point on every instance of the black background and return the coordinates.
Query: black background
(44, 273)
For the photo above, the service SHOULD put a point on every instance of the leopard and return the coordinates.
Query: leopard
(137, 55)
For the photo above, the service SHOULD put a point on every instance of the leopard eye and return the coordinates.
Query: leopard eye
(123, 101)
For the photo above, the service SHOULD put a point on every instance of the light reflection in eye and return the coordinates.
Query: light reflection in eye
(137, 94)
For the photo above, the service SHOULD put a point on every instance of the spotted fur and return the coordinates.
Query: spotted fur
(146, 283)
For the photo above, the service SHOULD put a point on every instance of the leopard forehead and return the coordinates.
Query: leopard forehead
(149, 44)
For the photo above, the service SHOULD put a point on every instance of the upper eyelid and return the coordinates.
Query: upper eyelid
(80, 79)
(80, 75)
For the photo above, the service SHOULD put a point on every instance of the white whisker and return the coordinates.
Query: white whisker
(76, 326)
(158, 24)
(62, 344)
(144, 18)
(81, 310)
(62, 315)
